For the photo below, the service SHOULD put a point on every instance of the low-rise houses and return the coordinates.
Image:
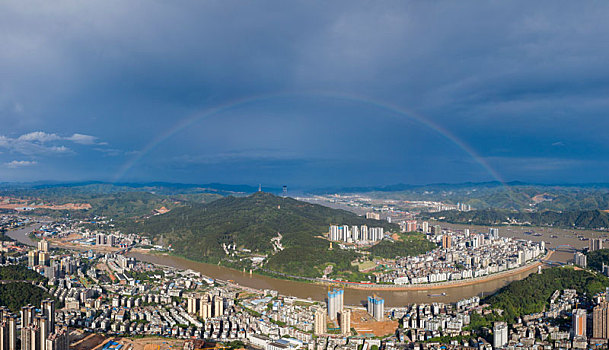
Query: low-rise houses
(470, 256)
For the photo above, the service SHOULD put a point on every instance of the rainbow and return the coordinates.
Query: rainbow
(395, 111)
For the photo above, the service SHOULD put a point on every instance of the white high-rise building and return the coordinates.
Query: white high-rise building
(364, 233)
(43, 245)
(375, 233)
(376, 307)
(595, 244)
(355, 234)
(43, 326)
(218, 306)
(321, 321)
(373, 216)
(345, 322)
(193, 304)
(335, 303)
(425, 227)
(334, 235)
(580, 259)
(500, 334)
(579, 323)
(493, 233)
(205, 308)
(48, 310)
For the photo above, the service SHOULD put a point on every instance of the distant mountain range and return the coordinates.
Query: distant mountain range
(485, 195)
(513, 196)
(99, 187)
(450, 186)
(581, 219)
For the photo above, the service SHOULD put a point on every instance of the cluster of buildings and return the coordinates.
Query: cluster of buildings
(38, 330)
(373, 208)
(436, 207)
(422, 322)
(591, 328)
(462, 255)
(585, 330)
(356, 234)
(423, 325)
(206, 306)
(51, 265)
(426, 228)
(72, 231)
(40, 256)
(408, 226)
(160, 305)
(102, 239)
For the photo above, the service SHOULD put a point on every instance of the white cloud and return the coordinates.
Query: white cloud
(43, 143)
(39, 136)
(20, 163)
(82, 139)
(59, 149)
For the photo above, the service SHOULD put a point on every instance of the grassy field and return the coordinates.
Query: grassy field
(364, 266)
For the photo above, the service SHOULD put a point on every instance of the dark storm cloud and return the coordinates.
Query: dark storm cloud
(507, 78)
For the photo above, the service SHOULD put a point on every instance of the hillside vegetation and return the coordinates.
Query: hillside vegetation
(18, 294)
(409, 244)
(532, 294)
(19, 273)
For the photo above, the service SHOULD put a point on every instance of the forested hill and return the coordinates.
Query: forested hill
(532, 294)
(198, 231)
(585, 219)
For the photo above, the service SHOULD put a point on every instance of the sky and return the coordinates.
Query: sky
(304, 93)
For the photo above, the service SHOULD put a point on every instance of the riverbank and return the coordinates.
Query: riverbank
(353, 296)
(448, 284)
(386, 287)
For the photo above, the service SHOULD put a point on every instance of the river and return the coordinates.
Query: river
(318, 292)
(22, 234)
(352, 296)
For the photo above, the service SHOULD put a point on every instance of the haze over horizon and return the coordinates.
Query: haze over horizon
(305, 94)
